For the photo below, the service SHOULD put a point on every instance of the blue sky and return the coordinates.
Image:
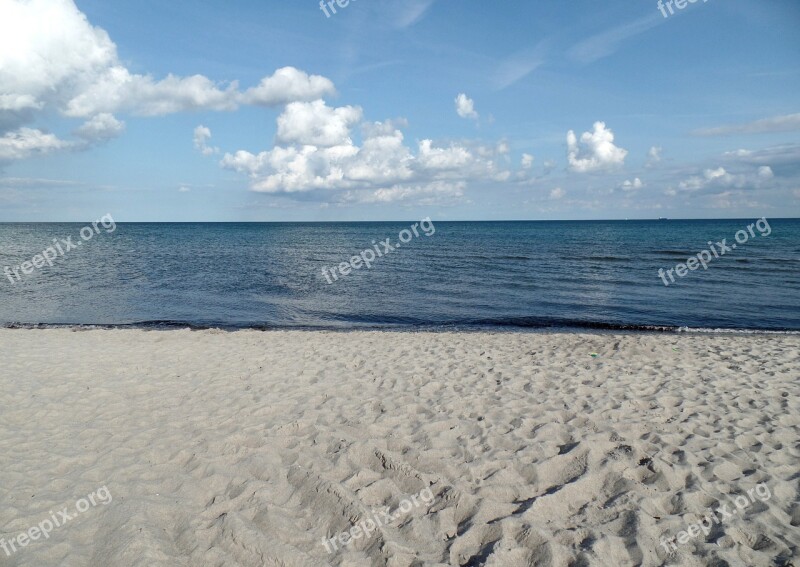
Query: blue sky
(398, 109)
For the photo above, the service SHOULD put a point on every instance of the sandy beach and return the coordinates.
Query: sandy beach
(510, 449)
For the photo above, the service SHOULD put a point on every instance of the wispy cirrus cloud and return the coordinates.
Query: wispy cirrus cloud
(519, 65)
(786, 123)
(409, 12)
(35, 182)
(608, 42)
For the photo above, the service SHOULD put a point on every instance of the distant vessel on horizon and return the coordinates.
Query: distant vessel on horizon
(663, 218)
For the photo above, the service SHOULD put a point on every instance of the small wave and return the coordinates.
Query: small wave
(407, 324)
(599, 258)
(681, 253)
(701, 330)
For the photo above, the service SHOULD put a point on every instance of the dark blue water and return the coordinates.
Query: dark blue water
(495, 274)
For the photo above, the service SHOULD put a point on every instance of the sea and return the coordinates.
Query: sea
(433, 275)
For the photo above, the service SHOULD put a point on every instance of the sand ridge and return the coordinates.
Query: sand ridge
(250, 448)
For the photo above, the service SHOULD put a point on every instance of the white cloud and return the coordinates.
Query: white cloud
(629, 185)
(465, 107)
(527, 161)
(317, 124)
(385, 128)
(785, 154)
(38, 61)
(315, 151)
(786, 123)
(739, 179)
(184, 189)
(557, 193)
(436, 192)
(100, 128)
(119, 90)
(77, 69)
(202, 135)
(596, 150)
(382, 158)
(654, 156)
(288, 85)
(73, 68)
(26, 142)
(718, 179)
(454, 157)
(18, 102)
(765, 172)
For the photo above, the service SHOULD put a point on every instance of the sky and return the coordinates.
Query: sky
(249, 110)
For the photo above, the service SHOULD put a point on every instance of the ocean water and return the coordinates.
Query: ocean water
(596, 274)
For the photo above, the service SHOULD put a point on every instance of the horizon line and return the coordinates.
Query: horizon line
(651, 219)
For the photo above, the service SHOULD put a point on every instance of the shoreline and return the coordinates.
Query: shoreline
(433, 329)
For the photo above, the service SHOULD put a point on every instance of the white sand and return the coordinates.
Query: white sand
(249, 448)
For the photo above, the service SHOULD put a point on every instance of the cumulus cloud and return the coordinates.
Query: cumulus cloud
(527, 161)
(202, 135)
(557, 193)
(74, 69)
(432, 158)
(465, 107)
(36, 64)
(317, 124)
(653, 156)
(715, 180)
(119, 90)
(288, 85)
(631, 185)
(78, 72)
(786, 123)
(100, 128)
(434, 193)
(27, 142)
(385, 128)
(315, 150)
(595, 151)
